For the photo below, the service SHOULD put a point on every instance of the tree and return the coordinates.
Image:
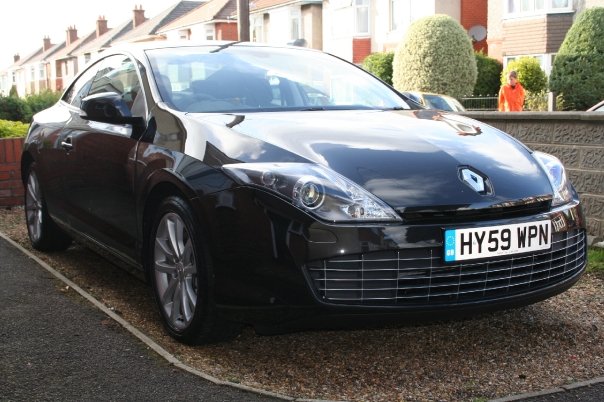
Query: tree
(530, 74)
(436, 55)
(380, 65)
(489, 71)
(578, 70)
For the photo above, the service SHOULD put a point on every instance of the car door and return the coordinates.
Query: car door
(99, 184)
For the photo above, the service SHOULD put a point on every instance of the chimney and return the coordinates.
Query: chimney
(139, 16)
(72, 35)
(101, 26)
(47, 45)
(16, 57)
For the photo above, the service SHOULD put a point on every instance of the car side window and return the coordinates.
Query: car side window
(79, 89)
(118, 74)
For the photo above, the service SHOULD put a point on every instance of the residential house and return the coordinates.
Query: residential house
(149, 30)
(10, 77)
(283, 22)
(533, 28)
(356, 28)
(107, 36)
(30, 74)
(209, 21)
(64, 64)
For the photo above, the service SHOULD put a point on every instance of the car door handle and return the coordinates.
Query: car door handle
(66, 144)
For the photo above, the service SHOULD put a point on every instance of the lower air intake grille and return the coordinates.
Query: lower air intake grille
(420, 276)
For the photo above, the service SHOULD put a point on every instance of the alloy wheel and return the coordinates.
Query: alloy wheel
(175, 271)
(33, 207)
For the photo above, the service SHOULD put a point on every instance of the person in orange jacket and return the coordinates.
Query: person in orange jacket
(511, 95)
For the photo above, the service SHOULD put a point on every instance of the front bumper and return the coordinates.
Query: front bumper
(289, 269)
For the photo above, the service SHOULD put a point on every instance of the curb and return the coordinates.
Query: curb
(563, 388)
(170, 358)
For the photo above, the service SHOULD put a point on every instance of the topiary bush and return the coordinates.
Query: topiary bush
(436, 55)
(530, 74)
(489, 71)
(14, 108)
(380, 65)
(10, 129)
(578, 70)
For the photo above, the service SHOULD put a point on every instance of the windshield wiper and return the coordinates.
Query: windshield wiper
(313, 109)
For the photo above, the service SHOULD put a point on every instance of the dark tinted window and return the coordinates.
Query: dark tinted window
(79, 89)
(118, 74)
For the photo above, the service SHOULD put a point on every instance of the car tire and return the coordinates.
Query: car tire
(180, 275)
(44, 234)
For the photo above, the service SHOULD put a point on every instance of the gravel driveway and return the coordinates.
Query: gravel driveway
(548, 344)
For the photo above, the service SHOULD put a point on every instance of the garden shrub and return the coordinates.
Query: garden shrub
(489, 71)
(537, 101)
(380, 65)
(41, 101)
(436, 55)
(10, 129)
(578, 69)
(14, 108)
(530, 74)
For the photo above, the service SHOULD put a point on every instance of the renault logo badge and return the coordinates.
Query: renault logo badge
(476, 181)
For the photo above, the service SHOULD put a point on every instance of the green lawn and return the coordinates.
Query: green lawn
(595, 257)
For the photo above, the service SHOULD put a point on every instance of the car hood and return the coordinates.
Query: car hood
(409, 159)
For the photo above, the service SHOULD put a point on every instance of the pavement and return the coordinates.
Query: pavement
(57, 345)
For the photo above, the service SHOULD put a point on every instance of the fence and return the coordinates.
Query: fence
(480, 103)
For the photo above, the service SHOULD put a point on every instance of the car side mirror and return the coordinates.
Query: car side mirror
(108, 107)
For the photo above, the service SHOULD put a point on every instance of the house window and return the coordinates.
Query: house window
(295, 24)
(361, 17)
(42, 72)
(546, 61)
(210, 33)
(520, 8)
(184, 34)
(33, 74)
(257, 27)
(396, 14)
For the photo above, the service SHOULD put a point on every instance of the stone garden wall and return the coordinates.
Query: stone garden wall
(576, 138)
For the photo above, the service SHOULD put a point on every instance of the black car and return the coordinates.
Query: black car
(283, 187)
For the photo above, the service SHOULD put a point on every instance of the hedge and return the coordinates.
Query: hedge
(11, 129)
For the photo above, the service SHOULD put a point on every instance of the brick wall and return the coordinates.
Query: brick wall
(11, 187)
(576, 138)
(557, 26)
(361, 48)
(545, 34)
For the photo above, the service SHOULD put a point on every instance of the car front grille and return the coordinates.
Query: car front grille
(419, 277)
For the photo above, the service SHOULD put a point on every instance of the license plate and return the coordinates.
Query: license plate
(492, 241)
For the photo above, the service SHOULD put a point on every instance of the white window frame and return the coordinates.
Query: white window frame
(257, 28)
(184, 34)
(546, 60)
(527, 8)
(295, 23)
(396, 19)
(210, 32)
(359, 6)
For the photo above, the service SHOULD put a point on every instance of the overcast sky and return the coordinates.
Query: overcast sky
(24, 23)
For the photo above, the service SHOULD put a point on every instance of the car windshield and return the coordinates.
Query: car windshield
(437, 102)
(254, 78)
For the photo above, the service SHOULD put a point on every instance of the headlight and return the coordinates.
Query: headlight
(315, 189)
(557, 177)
